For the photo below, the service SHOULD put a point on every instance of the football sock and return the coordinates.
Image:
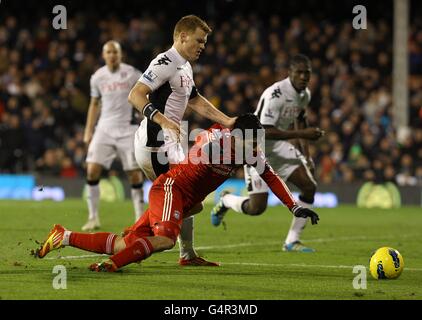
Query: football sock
(304, 204)
(66, 237)
(100, 242)
(137, 251)
(185, 239)
(138, 200)
(298, 224)
(93, 198)
(234, 202)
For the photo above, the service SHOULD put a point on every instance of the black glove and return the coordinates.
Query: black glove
(302, 212)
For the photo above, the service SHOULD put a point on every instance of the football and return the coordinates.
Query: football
(386, 263)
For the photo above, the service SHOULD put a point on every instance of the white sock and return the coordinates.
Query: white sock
(304, 204)
(234, 202)
(186, 239)
(138, 201)
(66, 237)
(298, 224)
(93, 199)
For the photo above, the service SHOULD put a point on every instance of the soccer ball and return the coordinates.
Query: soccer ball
(386, 263)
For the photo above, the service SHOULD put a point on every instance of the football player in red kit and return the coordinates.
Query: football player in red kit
(175, 193)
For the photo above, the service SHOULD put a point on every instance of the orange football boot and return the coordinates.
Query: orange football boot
(53, 242)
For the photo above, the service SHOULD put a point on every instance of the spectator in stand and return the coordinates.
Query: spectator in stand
(44, 78)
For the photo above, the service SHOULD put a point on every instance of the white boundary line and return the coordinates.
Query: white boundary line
(247, 244)
(243, 263)
(299, 265)
(76, 257)
(250, 244)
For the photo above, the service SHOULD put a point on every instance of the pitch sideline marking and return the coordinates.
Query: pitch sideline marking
(247, 244)
(76, 257)
(299, 265)
(244, 263)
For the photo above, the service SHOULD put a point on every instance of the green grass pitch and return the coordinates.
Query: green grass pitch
(252, 263)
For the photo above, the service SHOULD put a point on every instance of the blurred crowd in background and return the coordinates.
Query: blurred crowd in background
(44, 87)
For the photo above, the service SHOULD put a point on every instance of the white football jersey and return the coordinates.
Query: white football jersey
(279, 106)
(113, 88)
(170, 78)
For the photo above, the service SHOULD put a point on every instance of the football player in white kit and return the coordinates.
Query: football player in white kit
(114, 133)
(163, 93)
(281, 105)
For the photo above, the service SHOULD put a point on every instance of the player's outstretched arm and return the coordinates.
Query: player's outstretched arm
(273, 133)
(206, 109)
(281, 190)
(93, 113)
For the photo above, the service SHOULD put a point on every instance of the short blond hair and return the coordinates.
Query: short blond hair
(112, 43)
(189, 24)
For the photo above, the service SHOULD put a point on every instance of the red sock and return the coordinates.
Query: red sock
(100, 242)
(137, 251)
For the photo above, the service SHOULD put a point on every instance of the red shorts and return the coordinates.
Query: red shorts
(165, 204)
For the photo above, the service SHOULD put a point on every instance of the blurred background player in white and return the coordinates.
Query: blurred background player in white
(163, 93)
(281, 106)
(114, 132)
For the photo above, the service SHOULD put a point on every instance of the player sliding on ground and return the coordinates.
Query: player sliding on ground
(176, 192)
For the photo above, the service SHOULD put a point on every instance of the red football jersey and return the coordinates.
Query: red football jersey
(206, 169)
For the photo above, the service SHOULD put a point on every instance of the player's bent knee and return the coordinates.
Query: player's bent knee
(257, 210)
(135, 177)
(261, 208)
(93, 171)
(196, 209)
(92, 178)
(166, 243)
(167, 229)
(119, 245)
(307, 197)
(257, 204)
(309, 193)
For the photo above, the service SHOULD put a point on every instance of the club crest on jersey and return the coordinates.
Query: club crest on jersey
(176, 214)
(123, 74)
(258, 184)
(215, 135)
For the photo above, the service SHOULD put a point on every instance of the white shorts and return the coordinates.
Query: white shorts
(150, 162)
(284, 158)
(155, 160)
(106, 144)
